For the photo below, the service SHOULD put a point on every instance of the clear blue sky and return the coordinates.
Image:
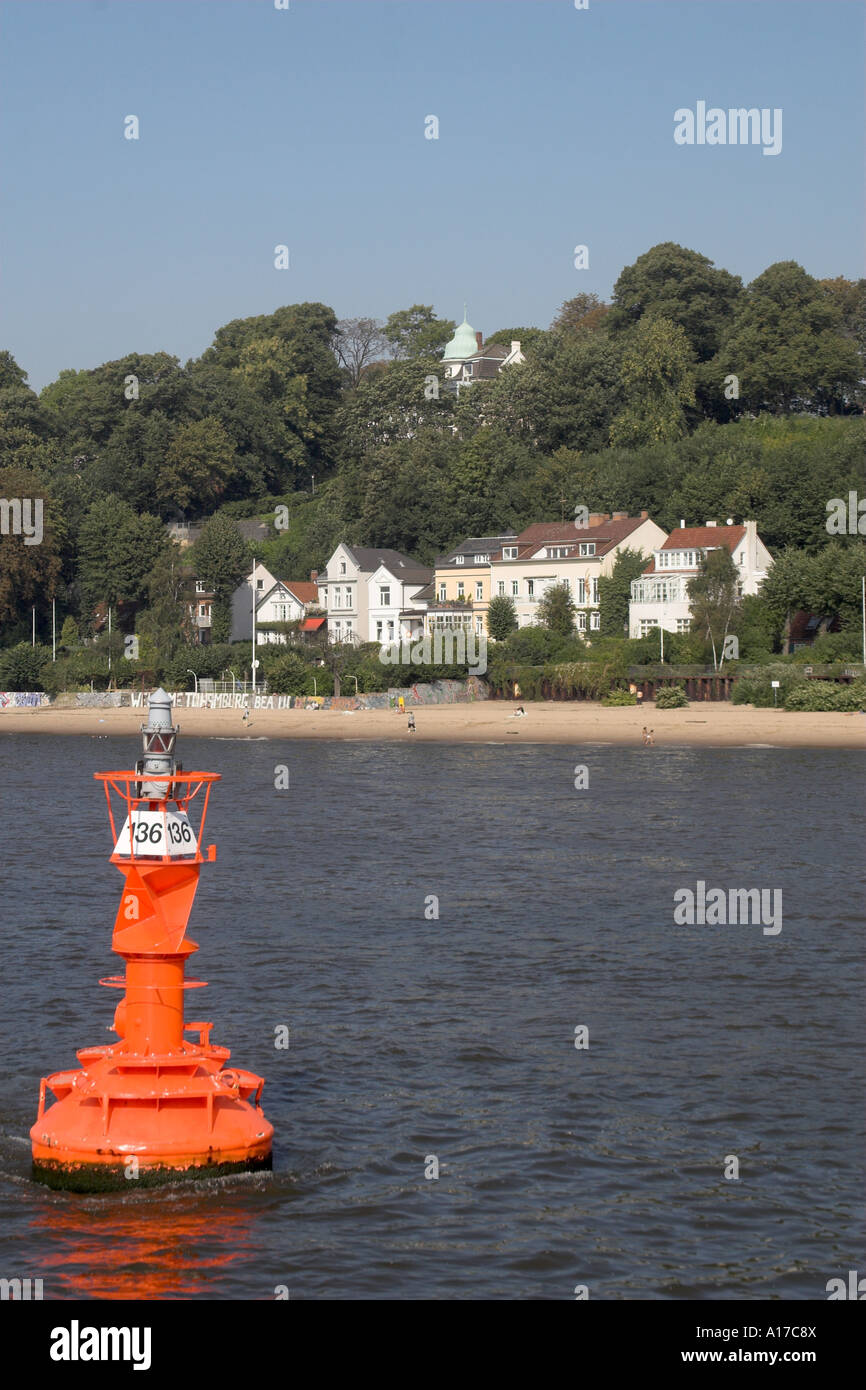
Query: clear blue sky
(306, 127)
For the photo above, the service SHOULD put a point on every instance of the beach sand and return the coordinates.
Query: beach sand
(712, 725)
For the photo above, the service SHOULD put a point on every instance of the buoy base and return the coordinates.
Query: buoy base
(116, 1177)
(162, 1117)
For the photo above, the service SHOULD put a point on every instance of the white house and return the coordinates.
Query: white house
(659, 598)
(371, 595)
(557, 552)
(467, 360)
(276, 601)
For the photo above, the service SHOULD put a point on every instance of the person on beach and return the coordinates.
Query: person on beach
(401, 704)
(651, 738)
(411, 722)
(645, 735)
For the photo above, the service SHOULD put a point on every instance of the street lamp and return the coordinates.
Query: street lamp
(355, 679)
(192, 673)
(234, 678)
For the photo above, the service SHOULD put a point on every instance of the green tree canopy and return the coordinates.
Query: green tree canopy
(557, 610)
(117, 549)
(614, 591)
(682, 286)
(221, 556)
(501, 617)
(417, 332)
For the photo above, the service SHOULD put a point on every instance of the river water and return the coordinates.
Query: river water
(416, 1037)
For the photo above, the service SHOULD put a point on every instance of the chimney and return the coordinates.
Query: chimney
(596, 518)
(619, 516)
(682, 524)
(515, 346)
(314, 574)
(644, 514)
(479, 339)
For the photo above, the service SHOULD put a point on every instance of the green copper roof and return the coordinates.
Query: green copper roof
(463, 343)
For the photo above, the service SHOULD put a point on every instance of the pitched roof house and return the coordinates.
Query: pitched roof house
(659, 598)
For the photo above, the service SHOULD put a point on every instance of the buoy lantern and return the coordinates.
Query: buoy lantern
(153, 1106)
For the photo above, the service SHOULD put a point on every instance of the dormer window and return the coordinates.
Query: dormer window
(481, 559)
(509, 552)
(459, 559)
(586, 548)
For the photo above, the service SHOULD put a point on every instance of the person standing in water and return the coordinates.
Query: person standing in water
(411, 722)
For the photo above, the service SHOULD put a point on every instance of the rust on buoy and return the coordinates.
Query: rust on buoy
(153, 1106)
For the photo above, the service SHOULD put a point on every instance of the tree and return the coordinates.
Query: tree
(714, 596)
(288, 674)
(221, 557)
(501, 617)
(682, 286)
(526, 337)
(787, 348)
(417, 332)
(117, 549)
(614, 592)
(356, 343)
(69, 634)
(20, 667)
(164, 627)
(557, 609)
(198, 464)
(584, 313)
(30, 565)
(658, 381)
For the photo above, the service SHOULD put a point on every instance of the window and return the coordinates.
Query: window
(281, 612)
(530, 588)
(565, 583)
(500, 588)
(515, 588)
(390, 631)
(595, 591)
(479, 628)
(467, 368)
(581, 622)
(647, 625)
(260, 583)
(479, 591)
(442, 593)
(204, 610)
(342, 566)
(581, 591)
(348, 626)
(509, 552)
(337, 601)
(200, 586)
(460, 588)
(378, 631)
(385, 595)
(338, 627)
(481, 559)
(459, 559)
(586, 548)
(683, 624)
(595, 621)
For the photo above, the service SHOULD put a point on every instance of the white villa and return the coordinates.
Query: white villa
(659, 598)
(550, 553)
(371, 595)
(277, 601)
(466, 359)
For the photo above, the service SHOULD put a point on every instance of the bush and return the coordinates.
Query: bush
(619, 697)
(827, 696)
(758, 691)
(289, 675)
(21, 667)
(671, 697)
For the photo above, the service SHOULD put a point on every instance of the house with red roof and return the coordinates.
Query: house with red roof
(563, 552)
(659, 598)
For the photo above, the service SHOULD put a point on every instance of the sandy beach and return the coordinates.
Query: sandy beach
(702, 724)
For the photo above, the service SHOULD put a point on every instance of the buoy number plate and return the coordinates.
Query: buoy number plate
(157, 833)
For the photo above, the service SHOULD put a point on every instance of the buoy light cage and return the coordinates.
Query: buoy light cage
(153, 1106)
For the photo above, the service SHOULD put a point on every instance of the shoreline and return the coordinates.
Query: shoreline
(703, 724)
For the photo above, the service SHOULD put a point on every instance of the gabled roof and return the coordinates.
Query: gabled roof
(475, 545)
(302, 590)
(698, 538)
(401, 566)
(604, 534)
(692, 537)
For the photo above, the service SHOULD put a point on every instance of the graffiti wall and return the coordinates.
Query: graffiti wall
(14, 699)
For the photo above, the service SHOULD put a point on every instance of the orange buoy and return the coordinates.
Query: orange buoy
(153, 1106)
